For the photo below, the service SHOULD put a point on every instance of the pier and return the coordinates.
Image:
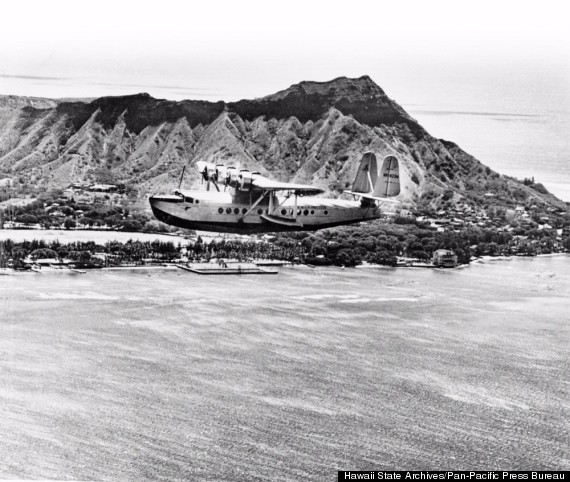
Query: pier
(226, 268)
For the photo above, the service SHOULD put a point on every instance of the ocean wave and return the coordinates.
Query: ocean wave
(89, 295)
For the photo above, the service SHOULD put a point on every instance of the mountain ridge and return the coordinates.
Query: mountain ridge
(311, 132)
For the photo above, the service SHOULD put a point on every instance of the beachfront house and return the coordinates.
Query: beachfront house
(444, 258)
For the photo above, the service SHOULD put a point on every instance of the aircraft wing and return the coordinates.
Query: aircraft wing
(263, 184)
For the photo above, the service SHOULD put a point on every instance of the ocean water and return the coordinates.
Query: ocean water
(521, 145)
(160, 374)
(514, 117)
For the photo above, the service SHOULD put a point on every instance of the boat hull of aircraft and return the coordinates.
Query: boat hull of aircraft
(225, 216)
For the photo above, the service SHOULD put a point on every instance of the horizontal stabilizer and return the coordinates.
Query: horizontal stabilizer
(373, 198)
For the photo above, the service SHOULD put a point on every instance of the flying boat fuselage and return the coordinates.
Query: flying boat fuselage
(251, 203)
(230, 213)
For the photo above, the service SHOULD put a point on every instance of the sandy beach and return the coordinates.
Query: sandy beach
(99, 237)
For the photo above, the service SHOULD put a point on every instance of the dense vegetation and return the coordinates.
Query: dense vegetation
(114, 253)
(51, 210)
(382, 243)
(379, 242)
(375, 242)
(88, 254)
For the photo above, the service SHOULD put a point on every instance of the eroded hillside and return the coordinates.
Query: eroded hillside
(312, 132)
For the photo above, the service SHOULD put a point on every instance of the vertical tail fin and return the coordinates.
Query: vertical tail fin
(388, 184)
(367, 174)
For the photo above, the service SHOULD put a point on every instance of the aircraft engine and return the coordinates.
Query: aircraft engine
(212, 173)
(232, 177)
(244, 178)
(222, 174)
(221, 171)
(208, 171)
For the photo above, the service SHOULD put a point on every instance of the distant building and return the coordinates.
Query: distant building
(103, 187)
(68, 194)
(444, 258)
(46, 262)
(17, 225)
(520, 211)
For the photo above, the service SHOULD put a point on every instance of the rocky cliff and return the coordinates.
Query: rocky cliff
(312, 132)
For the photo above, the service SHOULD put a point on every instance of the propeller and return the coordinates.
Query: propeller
(209, 173)
(231, 176)
(222, 174)
(202, 169)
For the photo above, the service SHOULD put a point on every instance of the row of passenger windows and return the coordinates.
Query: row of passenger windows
(284, 212)
(229, 210)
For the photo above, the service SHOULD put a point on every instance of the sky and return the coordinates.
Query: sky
(241, 49)
(495, 57)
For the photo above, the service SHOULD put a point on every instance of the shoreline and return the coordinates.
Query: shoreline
(120, 268)
(479, 261)
(85, 235)
(105, 236)
(504, 257)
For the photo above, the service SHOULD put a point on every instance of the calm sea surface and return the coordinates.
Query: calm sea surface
(515, 119)
(165, 375)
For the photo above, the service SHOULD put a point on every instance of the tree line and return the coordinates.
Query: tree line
(374, 242)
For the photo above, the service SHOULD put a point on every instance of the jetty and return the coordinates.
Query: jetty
(272, 262)
(226, 268)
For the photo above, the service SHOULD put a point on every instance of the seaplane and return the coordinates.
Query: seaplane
(250, 203)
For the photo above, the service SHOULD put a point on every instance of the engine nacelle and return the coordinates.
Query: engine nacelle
(244, 179)
(221, 173)
(231, 177)
(211, 173)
